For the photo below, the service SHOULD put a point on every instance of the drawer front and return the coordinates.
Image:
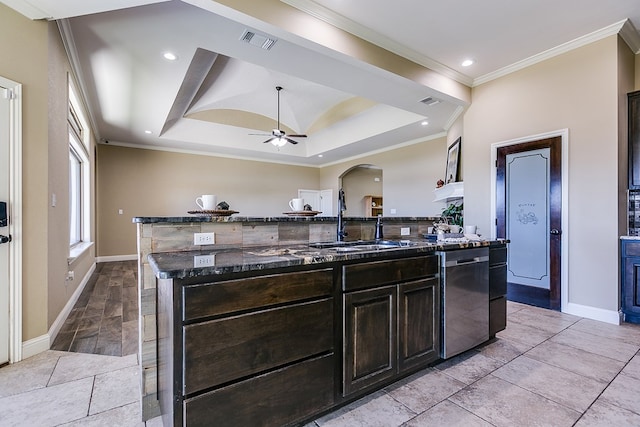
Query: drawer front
(226, 349)
(497, 255)
(218, 298)
(369, 274)
(497, 281)
(630, 248)
(278, 398)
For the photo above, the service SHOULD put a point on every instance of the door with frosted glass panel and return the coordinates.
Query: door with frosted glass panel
(527, 218)
(528, 208)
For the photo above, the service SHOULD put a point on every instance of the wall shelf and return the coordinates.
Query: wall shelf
(454, 190)
(372, 206)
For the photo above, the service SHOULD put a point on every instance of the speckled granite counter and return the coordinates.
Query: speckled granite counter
(179, 265)
(237, 218)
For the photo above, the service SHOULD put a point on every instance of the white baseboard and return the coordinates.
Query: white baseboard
(113, 258)
(35, 346)
(594, 313)
(43, 342)
(57, 324)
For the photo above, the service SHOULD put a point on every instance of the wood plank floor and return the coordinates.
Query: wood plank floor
(105, 317)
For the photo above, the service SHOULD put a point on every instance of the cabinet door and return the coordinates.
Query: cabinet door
(418, 323)
(631, 290)
(369, 338)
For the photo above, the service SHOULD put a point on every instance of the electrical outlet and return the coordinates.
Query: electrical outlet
(203, 238)
(405, 231)
(70, 276)
(204, 260)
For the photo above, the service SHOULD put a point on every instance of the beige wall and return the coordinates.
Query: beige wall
(61, 290)
(159, 183)
(577, 90)
(410, 175)
(24, 54)
(38, 62)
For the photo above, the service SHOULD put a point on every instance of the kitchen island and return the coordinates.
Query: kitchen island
(277, 334)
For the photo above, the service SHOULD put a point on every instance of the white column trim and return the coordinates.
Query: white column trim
(15, 224)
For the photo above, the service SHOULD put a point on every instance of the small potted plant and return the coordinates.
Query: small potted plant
(452, 215)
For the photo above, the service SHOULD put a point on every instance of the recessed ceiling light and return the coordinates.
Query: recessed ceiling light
(170, 56)
(148, 132)
(467, 62)
(320, 155)
(424, 123)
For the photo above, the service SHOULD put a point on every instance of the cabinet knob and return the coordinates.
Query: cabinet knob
(555, 232)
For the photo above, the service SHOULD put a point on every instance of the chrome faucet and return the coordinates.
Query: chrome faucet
(379, 234)
(342, 206)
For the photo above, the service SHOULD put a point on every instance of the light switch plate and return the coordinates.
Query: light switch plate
(405, 231)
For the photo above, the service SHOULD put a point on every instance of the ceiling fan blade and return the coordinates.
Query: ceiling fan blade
(290, 140)
(260, 134)
(297, 136)
(268, 140)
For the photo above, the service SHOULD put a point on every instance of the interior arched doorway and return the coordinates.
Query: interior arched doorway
(363, 189)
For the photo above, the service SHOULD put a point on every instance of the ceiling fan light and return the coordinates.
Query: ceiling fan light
(279, 141)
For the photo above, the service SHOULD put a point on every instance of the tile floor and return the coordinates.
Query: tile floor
(104, 320)
(545, 369)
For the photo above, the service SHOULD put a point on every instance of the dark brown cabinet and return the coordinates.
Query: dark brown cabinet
(630, 295)
(497, 289)
(392, 325)
(418, 323)
(370, 341)
(253, 351)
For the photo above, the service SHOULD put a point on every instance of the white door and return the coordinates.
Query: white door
(320, 200)
(4, 231)
(527, 217)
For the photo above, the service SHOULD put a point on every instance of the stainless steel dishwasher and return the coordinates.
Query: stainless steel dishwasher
(465, 300)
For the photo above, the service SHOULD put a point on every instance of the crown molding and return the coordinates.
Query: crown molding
(630, 35)
(617, 28)
(66, 34)
(322, 13)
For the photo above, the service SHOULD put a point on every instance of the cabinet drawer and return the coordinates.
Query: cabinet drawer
(365, 275)
(497, 255)
(497, 281)
(217, 298)
(278, 398)
(226, 349)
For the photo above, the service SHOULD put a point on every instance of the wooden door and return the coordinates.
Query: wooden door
(418, 323)
(370, 339)
(552, 222)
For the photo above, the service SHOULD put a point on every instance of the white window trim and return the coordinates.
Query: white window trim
(80, 144)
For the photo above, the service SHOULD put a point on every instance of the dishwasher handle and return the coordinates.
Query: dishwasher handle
(466, 261)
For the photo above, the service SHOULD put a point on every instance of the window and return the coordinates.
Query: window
(79, 211)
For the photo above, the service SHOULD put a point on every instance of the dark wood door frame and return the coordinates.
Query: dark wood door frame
(555, 204)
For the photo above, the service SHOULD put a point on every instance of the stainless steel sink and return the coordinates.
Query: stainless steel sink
(361, 245)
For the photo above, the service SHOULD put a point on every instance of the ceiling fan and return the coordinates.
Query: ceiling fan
(278, 137)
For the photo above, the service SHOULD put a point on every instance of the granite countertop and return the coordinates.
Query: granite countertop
(180, 265)
(234, 218)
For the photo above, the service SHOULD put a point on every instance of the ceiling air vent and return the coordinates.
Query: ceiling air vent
(256, 39)
(429, 101)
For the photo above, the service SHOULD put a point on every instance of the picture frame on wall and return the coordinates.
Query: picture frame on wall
(453, 159)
